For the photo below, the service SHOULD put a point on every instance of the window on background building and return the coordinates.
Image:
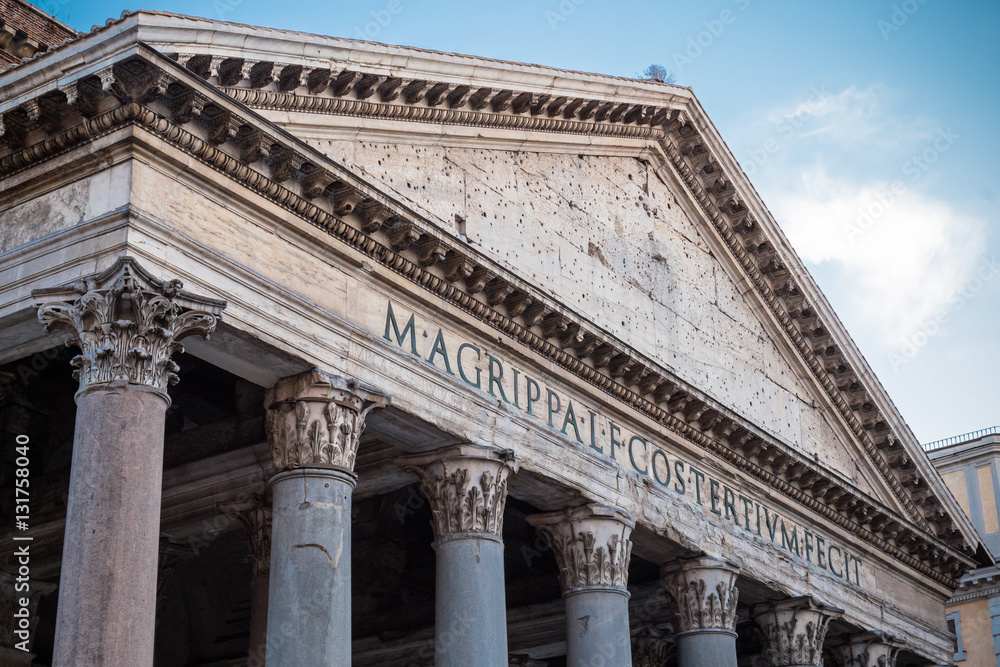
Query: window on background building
(955, 627)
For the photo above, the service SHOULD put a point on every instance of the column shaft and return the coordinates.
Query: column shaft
(470, 603)
(309, 604)
(108, 616)
(597, 628)
(706, 650)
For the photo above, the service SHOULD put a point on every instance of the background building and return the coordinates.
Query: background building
(968, 464)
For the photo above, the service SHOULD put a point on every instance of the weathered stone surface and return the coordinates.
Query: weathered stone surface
(703, 595)
(466, 486)
(867, 649)
(309, 605)
(128, 324)
(592, 548)
(661, 286)
(793, 631)
(314, 420)
(107, 596)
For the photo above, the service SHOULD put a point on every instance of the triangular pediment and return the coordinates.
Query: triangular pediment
(705, 317)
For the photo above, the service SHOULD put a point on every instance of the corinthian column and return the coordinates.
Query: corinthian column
(868, 649)
(592, 548)
(703, 595)
(127, 325)
(313, 424)
(792, 631)
(255, 515)
(466, 486)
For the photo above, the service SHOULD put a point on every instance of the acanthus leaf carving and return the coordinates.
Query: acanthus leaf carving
(793, 631)
(128, 324)
(868, 649)
(591, 544)
(255, 514)
(703, 594)
(466, 486)
(651, 647)
(315, 420)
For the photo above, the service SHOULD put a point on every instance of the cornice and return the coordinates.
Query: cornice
(169, 103)
(763, 260)
(293, 87)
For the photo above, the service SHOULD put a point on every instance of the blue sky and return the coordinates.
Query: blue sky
(868, 127)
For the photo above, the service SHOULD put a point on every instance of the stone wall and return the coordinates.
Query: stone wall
(609, 239)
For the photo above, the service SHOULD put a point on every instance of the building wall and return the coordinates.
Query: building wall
(26, 30)
(972, 476)
(977, 634)
(956, 484)
(969, 470)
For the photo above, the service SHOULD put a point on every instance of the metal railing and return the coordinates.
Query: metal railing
(961, 439)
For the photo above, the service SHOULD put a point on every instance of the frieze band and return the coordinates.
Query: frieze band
(589, 427)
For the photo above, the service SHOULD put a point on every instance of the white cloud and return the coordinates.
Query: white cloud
(899, 254)
(849, 117)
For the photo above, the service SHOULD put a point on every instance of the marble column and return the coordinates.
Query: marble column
(466, 486)
(592, 548)
(313, 424)
(867, 649)
(17, 632)
(255, 515)
(703, 596)
(792, 631)
(127, 325)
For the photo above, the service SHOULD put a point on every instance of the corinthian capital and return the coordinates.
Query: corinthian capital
(792, 631)
(466, 486)
(127, 323)
(868, 649)
(703, 594)
(591, 545)
(255, 515)
(651, 647)
(314, 420)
